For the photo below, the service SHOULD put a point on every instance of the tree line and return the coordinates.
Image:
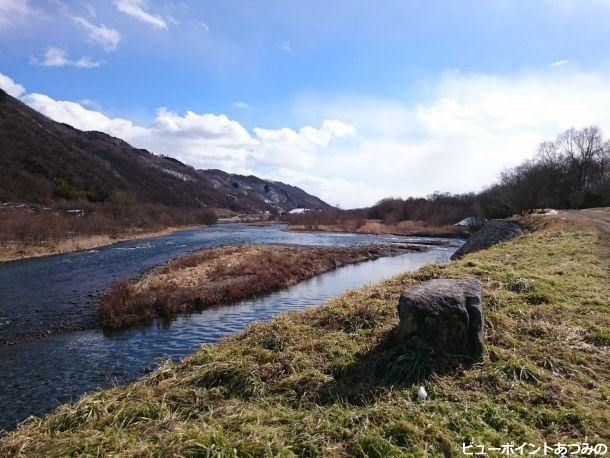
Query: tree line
(572, 171)
(119, 216)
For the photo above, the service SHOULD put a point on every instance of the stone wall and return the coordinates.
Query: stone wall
(494, 231)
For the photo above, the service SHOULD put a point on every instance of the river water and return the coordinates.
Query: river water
(52, 292)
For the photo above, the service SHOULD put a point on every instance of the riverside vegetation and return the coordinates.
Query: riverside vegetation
(333, 380)
(222, 275)
(30, 230)
(370, 226)
(571, 172)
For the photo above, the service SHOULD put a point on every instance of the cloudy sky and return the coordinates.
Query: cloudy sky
(352, 100)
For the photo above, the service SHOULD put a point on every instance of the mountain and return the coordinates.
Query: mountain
(42, 160)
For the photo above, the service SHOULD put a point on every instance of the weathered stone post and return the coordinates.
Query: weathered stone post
(445, 316)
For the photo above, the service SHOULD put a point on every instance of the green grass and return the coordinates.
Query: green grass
(335, 380)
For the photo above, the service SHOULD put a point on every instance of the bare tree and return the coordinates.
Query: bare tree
(581, 151)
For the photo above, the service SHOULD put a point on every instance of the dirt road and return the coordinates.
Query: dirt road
(600, 217)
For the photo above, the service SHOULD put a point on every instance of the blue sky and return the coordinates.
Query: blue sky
(352, 100)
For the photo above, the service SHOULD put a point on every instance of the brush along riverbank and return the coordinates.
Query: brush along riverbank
(14, 251)
(406, 228)
(335, 381)
(224, 275)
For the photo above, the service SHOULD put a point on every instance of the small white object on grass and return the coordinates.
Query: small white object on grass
(422, 394)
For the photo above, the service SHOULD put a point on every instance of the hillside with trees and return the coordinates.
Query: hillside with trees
(43, 161)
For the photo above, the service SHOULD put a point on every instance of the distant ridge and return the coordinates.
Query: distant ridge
(42, 160)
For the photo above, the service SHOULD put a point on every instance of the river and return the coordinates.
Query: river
(58, 292)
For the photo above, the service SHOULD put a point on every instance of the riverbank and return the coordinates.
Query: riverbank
(404, 228)
(333, 381)
(13, 251)
(222, 275)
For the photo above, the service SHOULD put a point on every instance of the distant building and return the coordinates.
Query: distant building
(296, 211)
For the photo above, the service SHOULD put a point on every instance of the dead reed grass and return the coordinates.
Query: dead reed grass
(379, 227)
(220, 276)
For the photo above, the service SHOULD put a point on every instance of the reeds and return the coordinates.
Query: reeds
(207, 278)
(29, 225)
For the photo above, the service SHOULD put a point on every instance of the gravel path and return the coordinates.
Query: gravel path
(598, 216)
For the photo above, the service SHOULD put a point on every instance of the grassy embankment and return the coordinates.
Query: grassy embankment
(222, 275)
(419, 228)
(334, 381)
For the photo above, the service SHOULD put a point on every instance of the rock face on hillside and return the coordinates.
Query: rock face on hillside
(494, 231)
(445, 316)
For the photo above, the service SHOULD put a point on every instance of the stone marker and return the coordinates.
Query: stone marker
(444, 315)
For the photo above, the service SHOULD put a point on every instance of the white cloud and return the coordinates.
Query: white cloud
(207, 125)
(76, 115)
(559, 63)
(338, 129)
(89, 103)
(459, 137)
(107, 37)
(14, 10)
(137, 10)
(203, 140)
(355, 150)
(335, 191)
(285, 46)
(57, 57)
(240, 104)
(10, 87)
(287, 147)
(372, 116)
(532, 102)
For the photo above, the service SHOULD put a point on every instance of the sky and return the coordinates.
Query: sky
(351, 100)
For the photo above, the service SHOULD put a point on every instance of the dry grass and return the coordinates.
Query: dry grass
(12, 251)
(334, 381)
(378, 227)
(218, 276)
(36, 230)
